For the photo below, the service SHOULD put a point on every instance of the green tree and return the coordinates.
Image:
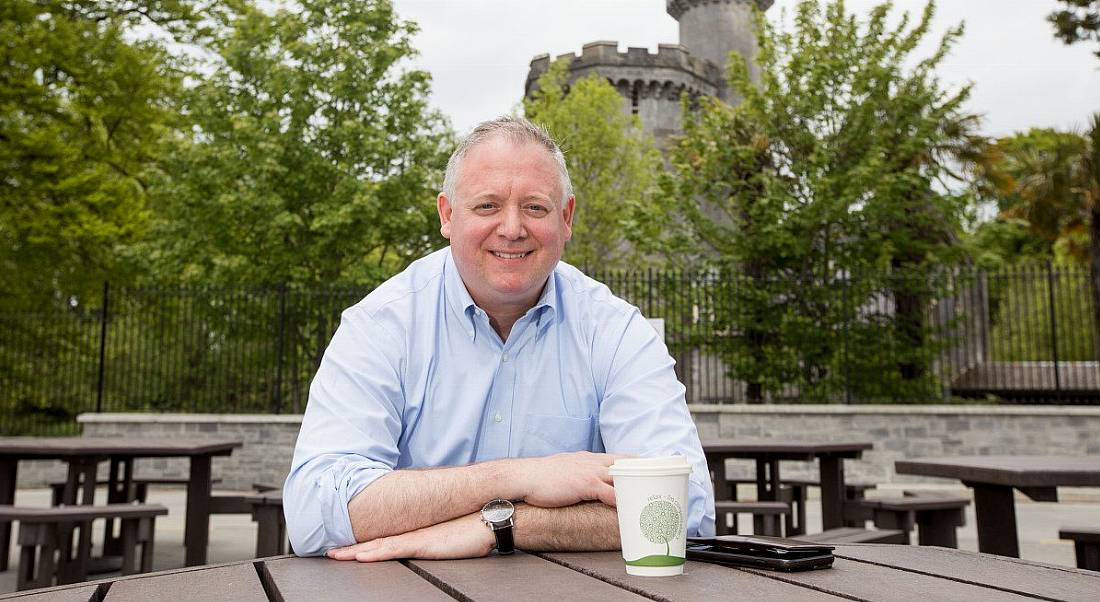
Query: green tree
(824, 189)
(314, 159)
(1078, 21)
(612, 162)
(1051, 181)
(85, 100)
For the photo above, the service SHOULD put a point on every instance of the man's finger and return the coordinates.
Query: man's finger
(388, 548)
(607, 495)
(346, 552)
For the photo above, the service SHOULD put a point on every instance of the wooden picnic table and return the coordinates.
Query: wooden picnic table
(769, 452)
(993, 479)
(860, 572)
(83, 455)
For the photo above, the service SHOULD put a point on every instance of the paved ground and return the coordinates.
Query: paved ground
(233, 537)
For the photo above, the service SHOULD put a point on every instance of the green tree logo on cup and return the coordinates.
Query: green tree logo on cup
(660, 521)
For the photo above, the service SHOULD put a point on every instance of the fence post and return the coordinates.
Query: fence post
(1053, 325)
(104, 315)
(847, 361)
(279, 349)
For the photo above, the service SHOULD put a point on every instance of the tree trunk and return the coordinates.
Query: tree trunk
(755, 337)
(909, 302)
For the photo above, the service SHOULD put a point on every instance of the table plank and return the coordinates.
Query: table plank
(1013, 471)
(865, 581)
(787, 449)
(701, 581)
(80, 593)
(26, 448)
(237, 582)
(300, 579)
(1008, 574)
(517, 577)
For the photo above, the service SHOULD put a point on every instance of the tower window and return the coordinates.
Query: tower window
(634, 101)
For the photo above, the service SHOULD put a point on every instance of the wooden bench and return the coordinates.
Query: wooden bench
(138, 494)
(1086, 543)
(856, 535)
(266, 508)
(936, 517)
(46, 532)
(766, 516)
(267, 512)
(795, 492)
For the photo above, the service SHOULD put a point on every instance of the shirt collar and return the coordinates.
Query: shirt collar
(460, 301)
(458, 297)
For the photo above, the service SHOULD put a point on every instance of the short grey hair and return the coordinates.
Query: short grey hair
(518, 131)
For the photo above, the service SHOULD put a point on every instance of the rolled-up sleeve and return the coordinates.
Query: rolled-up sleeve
(349, 436)
(643, 411)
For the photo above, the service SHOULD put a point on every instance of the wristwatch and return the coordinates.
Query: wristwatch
(497, 515)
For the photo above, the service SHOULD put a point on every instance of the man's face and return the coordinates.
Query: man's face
(507, 226)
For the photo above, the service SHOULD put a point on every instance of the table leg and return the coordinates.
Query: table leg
(8, 472)
(831, 470)
(995, 510)
(119, 490)
(767, 488)
(72, 564)
(196, 530)
(717, 466)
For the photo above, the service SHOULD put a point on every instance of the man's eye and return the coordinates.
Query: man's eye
(538, 209)
(485, 207)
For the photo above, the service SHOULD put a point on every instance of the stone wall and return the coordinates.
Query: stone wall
(897, 432)
(906, 431)
(264, 457)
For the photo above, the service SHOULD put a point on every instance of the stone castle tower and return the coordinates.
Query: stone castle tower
(651, 84)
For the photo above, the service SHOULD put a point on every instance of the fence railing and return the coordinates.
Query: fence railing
(1024, 334)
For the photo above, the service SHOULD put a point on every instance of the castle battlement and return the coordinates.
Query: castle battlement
(677, 8)
(652, 84)
(605, 55)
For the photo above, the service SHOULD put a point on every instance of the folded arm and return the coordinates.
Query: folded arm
(407, 500)
(589, 526)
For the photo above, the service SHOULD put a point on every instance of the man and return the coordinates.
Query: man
(488, 370)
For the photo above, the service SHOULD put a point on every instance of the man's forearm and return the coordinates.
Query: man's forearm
(406, 500)
(587, 527)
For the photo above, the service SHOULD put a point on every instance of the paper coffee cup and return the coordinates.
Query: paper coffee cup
(651, 499)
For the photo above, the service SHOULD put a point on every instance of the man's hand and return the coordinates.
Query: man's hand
(463, 537)
(567, 479)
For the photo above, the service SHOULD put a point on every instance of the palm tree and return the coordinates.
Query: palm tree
(1052, 180)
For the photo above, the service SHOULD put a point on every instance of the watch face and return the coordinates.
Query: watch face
(497, 510)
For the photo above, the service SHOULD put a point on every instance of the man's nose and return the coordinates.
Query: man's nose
(511, 224)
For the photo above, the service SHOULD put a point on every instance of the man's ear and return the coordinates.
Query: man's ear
(443, 204)
(567, 215)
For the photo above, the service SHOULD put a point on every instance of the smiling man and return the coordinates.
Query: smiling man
(476, 400)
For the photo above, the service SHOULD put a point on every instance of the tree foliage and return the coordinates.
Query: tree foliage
(1051, 181)
(84, 105)
(613, 164)
(313, 158)
(835, 165)
(1077, 21)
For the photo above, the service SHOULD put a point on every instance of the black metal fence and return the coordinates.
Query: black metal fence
(1024, 334)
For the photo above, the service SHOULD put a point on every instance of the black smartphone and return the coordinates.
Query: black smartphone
(760, 552)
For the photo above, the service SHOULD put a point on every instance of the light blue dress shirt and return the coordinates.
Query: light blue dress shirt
(416, 377)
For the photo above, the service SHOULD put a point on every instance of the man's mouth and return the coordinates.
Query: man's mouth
(504, 255)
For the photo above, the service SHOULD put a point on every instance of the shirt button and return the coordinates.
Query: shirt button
(498, 417)
(504, 357)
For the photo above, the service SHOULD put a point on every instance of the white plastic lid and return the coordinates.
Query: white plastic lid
(646, 467)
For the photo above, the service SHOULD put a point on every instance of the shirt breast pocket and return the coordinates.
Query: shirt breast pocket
(546, 434)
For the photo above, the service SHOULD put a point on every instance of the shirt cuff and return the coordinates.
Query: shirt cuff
(349, 480)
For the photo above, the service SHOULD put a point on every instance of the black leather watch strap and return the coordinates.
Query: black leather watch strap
(505, 543)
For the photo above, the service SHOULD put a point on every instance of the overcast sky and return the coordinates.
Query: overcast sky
(478, 52)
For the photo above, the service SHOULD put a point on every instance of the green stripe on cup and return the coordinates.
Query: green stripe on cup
(657, 560)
